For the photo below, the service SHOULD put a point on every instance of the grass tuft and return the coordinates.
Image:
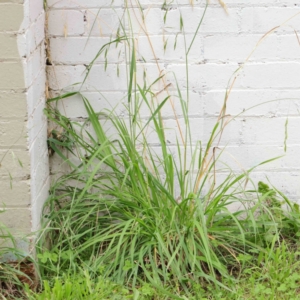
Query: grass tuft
(146, 216)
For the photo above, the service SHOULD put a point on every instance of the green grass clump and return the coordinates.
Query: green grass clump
(79, 286)
(136, 216)
(139, 217)
(148, 218)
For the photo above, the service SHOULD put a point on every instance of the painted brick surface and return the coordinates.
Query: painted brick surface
(16, 196)
(11, 16)
(24, 168)
(32, 49)
(18, 220)
(63, 22)
(9, 48)
(268, 83)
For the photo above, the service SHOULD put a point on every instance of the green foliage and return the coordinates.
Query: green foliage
(122, 212)
(279, 210)
(123, 215)
(78, 287)
(12, 275)
(274, 275)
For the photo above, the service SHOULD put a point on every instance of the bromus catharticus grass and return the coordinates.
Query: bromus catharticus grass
(138, 208)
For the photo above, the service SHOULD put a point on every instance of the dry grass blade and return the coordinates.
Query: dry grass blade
(222, 3)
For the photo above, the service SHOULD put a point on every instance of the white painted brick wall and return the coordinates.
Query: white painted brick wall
(32, 48)
(223, 43)
(23, 126)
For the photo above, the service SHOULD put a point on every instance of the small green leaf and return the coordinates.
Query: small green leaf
(181, 22)
(127, 266)
(282, 287)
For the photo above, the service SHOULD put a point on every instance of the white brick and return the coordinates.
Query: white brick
(9, 49)
(257, 130)
(100, 78)
(232, 133)
(11, 16)
(58, 167)
(264, 19)
(17, 220)
(13, 133)
(12, 1)
(191, 18)
(152, 71)
(62, 50)
(202, 76)
(148, 20)
(175, 129)
(38, 147)
(253, 102)
(238, 48)
(80, 4)
(11, 76)
(157, 2)
(14, 193)
(271, 75)
(36, 8)
(193, 101)
(169, 48)
(216, 20)
(244, 157)
(63, 76)
(34, 64)
(14, 163)
(73, 107)
(290, 161)
(288, 48)
(13, 105)
(103, 22)
(287, 182)
(37, 206)
(39, 175)
(250, 2)
(36, 92)
(36, 121)
(65, 22)
(35, 34)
